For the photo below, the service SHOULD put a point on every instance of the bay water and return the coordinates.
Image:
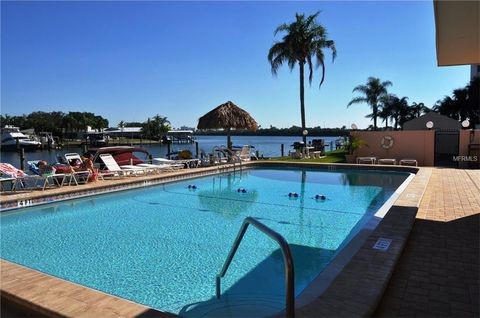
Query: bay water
(267, 146)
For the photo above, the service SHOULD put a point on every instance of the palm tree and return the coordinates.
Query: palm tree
(303, 42)
(373, 93)
(386, 110)
(474, 101)
(402, 111)
(418, 109)
(463, 104)
(449, 107)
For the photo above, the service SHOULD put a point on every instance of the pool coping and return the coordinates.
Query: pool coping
(348, 295)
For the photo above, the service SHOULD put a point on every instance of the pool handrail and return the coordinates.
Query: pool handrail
(287, 258)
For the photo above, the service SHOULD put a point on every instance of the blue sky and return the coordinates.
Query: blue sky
(132, 60)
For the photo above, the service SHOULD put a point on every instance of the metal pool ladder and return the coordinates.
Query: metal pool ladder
(287, 258)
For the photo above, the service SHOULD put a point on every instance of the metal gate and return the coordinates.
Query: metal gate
(446, 148)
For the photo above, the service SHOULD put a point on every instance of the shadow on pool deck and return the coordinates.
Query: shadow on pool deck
(438, 273)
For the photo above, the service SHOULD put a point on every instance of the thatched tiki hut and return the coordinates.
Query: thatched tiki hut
(227, 116)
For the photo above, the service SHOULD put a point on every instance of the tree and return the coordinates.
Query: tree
(154, 128)
(386, 110)
(418, 109)
(473, 103)
(303, 42)
(401, 111)
(463, 104)
(373, 93)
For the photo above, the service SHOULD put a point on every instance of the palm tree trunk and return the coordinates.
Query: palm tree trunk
(375, 114)
(302, 101)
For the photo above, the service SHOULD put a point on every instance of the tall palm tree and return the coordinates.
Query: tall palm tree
(373, 92)
(303, 42)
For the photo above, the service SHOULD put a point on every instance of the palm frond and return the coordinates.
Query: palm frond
(360, 89)
(281, 28)
(323, 73)
(357, 100)
(386, 83)
(310, 69)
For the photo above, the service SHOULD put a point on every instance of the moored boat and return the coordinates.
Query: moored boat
(123, 155)
(13, 139)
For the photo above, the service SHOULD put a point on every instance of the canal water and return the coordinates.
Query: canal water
(267, 146)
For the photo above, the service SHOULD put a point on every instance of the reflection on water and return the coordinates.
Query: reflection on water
(226, 196)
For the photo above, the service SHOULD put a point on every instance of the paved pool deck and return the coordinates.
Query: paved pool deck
(436, 270)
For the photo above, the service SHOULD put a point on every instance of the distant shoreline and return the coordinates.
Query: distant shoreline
(328, 133)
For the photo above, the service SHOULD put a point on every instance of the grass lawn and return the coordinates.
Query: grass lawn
(330, 157)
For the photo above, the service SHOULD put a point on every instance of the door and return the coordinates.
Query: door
(446, 148)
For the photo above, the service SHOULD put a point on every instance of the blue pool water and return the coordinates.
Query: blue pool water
(163, 246)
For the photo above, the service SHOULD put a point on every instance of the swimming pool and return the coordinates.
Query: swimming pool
(163, 246)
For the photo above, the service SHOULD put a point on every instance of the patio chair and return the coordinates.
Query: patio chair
(144, 168)
(49, 173)
(79, 174)
(160, 167)
(220, 155)
(177, 164)
(245, 154)
(387, 161)
(364, 160)
(7, 180)
(21, 179)
(205, 159)
(409, 162)
(113, 166)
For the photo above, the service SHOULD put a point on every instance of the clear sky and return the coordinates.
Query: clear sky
(132, 60)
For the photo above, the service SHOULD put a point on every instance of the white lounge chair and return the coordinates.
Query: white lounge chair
(177, 164)
(74, 160)
(364, 160)
(162, 167)
(245, 154)
(113, 166)
(19, 178)
(51, 177)
(408, 162)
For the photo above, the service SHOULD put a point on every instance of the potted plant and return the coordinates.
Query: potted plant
(351, 146)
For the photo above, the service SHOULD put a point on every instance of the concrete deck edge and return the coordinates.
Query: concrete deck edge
(54, 297)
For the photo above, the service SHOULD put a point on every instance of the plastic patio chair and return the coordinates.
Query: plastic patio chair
(113, 166)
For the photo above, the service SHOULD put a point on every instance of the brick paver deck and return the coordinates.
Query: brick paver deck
(438, 272)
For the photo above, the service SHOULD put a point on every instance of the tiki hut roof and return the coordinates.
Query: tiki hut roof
(226, 116)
